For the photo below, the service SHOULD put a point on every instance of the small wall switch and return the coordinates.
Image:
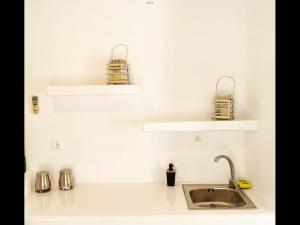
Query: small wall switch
(35, 105)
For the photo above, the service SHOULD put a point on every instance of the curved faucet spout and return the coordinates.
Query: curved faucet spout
(230, 164)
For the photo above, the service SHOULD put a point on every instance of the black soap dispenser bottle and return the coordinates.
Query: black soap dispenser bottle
(171, 175)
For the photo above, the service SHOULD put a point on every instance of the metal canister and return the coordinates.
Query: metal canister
(42, 182)
(66, 181)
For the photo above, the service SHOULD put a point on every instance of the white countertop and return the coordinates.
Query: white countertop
(140, 203)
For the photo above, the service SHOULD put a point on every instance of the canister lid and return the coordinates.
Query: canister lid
(65, 170)
(42, 172)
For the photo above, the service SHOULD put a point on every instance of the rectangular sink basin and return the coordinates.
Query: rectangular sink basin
(215, 196)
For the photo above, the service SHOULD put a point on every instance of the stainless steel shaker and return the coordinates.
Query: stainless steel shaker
(66, 181)
(42, 182)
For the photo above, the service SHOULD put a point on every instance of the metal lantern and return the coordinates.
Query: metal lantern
(223, 105)
(118, 69)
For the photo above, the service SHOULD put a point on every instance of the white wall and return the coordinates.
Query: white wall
(177, 51)
(260, 145)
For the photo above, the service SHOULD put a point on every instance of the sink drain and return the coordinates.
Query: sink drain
(212, 206)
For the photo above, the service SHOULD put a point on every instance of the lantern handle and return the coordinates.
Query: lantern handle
(121, 44)
(223, 77)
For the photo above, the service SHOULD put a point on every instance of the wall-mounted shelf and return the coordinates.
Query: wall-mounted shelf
(93, 90)
(200, 125)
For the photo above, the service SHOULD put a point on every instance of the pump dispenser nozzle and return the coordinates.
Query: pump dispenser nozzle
(171, 175)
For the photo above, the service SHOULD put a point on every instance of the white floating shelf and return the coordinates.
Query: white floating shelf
(200, 125)
(93, 90)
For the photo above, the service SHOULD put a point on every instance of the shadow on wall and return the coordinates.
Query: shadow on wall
(159, 172)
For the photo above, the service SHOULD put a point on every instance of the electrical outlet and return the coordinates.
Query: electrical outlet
(56, 145)
(197, 138)
(35, 104)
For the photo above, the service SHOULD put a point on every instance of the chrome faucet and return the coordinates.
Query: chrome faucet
(232, 177)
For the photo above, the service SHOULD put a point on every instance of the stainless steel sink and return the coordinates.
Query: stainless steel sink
(215, 196)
